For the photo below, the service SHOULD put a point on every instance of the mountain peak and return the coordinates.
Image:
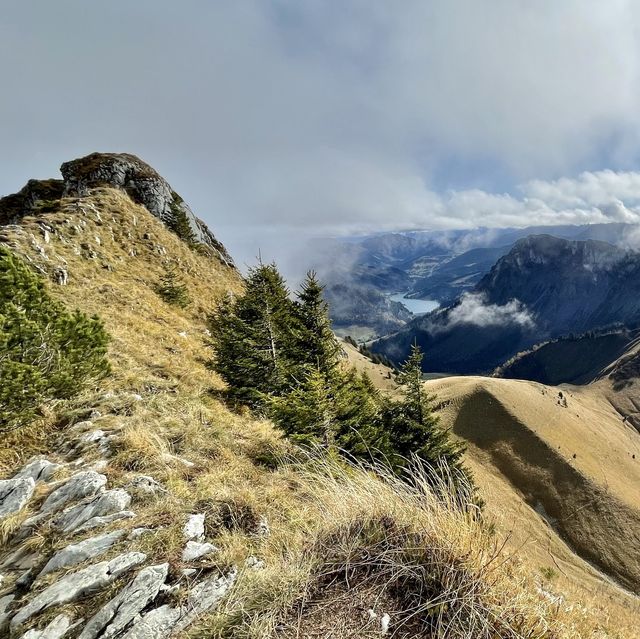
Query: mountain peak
(123, 171)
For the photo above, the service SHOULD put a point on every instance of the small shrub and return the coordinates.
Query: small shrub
(46, 352)
(172, 289)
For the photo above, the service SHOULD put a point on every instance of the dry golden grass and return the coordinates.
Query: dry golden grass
(331, 525)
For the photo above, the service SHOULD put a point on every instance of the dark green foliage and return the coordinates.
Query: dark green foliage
(46, 352)
(281, 356)
(351, 341)
(318, 346)
(376, 358)
(414, 428)
(254, 339)
(172, 288)
(179, 222)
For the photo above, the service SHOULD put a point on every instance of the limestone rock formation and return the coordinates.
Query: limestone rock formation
(14, 494)
(75, 554)
(78, 584)
(117, 170)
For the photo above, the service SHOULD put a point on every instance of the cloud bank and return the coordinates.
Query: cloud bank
(473, 309)
(277, 119)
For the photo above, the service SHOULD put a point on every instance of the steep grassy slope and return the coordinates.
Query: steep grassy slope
(567, 453)
(315, 543)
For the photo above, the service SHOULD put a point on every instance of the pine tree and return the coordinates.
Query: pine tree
(254, 339)
(307, 414)
(318, 345)
(172, 288)
(359, 427)
(46, 352)
(413, 426)
(179, 222)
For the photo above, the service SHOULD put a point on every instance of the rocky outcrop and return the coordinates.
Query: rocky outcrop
(108, 503)
(14, 494)
(78, 584)
(39, 579)
(116, 170)
(123, 608)
(75, 554)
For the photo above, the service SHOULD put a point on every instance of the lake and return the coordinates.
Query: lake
(417, 307)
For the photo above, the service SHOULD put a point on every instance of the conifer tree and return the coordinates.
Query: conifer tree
(253, 337)
(46, 352)
(413, 426)
(172, 288)
(179, 222)
(318, 345)
(307, 414)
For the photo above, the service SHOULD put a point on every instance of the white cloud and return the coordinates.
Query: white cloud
(308, 117)
(473, 309)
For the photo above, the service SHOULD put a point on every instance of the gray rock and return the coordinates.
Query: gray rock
(194, 550)
(94, 436)
(75, 554)
(55, 630)
(79, 486)
(14, 494)
(38, 470)
(107, 503)
(20, 559)
(194, 528)
(124, 607)
(167, 621)
(99, 522)
(156, 624)
(26, 579)
(78, 584)
(60, 276)
(204, 597)
(145, 485)
(143, 185)
(5, 615)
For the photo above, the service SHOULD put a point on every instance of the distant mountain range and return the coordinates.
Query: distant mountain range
(543, 288)
(360, 273)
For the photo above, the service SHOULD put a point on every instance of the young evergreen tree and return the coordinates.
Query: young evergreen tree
(172, 288)
(359, 427)
(254, 338)
(46, 352)
(412, 425)
(179, 222)
(307, 414)
(317, 343)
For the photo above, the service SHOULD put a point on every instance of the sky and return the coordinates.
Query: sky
(280, 120)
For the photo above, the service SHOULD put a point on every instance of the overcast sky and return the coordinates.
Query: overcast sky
(279, 119)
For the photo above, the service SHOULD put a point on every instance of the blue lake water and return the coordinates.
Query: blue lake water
(417, 307)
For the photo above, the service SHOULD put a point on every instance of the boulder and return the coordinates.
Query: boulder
(81, 485)
(113, 617)
(204, 597)
(194, 550)
(77, 553)
(14, 494)
(55, 630)
(79, 584)
(38, 470)
(99, 522)
(107, 503)
(156, 624)
(194, 528)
